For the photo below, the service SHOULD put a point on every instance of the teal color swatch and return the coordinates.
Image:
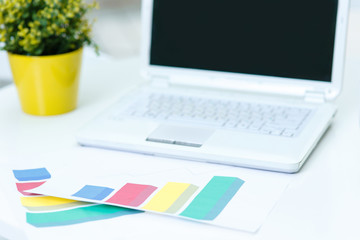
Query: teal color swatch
(214, 197)
(77, 215)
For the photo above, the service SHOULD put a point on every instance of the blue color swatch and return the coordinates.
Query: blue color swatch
(94, 192)
(32, 174)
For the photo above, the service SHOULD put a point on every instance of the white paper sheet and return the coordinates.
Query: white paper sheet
(246, 211)
(101, 167)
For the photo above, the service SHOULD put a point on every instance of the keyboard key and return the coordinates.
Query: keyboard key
(288, 133)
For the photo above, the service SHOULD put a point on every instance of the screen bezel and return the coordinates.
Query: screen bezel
(249, 82)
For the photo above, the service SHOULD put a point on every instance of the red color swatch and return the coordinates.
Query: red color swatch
(28, 186)
(132, 195)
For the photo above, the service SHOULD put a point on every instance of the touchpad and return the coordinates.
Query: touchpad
(180, 135)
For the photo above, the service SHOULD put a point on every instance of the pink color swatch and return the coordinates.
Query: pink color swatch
(28, 186)
(132, 194)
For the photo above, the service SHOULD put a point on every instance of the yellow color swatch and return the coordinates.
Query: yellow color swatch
(44, 201)
(166, 196)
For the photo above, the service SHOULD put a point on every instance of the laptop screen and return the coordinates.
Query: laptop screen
(282, 38)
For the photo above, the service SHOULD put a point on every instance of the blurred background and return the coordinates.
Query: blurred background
(116, 31)
(117, 27)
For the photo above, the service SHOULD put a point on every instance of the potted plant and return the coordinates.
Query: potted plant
(44, 40)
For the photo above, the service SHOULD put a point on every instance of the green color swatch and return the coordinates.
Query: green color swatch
(184, 197)
(77, 215)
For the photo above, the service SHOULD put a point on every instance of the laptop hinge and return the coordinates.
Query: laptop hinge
(315, 97)
(160, 81)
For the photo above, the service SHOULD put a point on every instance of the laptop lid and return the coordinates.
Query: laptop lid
(279, 46)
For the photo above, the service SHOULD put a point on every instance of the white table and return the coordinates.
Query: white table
(323, 201)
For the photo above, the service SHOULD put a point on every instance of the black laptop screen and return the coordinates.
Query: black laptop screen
(283, 38)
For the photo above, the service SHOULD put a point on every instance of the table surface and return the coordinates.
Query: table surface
(322, 201)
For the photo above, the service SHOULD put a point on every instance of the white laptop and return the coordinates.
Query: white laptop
(242, 83)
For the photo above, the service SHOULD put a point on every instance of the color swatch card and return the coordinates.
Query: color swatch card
(224, 198)
(99, 194)
(35, 216)
(47, 211)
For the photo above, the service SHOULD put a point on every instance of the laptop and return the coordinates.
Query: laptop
(235, 82)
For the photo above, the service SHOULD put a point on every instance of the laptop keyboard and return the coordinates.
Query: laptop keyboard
(267, 119)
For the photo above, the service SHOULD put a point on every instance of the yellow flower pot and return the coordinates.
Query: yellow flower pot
(47, 85)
